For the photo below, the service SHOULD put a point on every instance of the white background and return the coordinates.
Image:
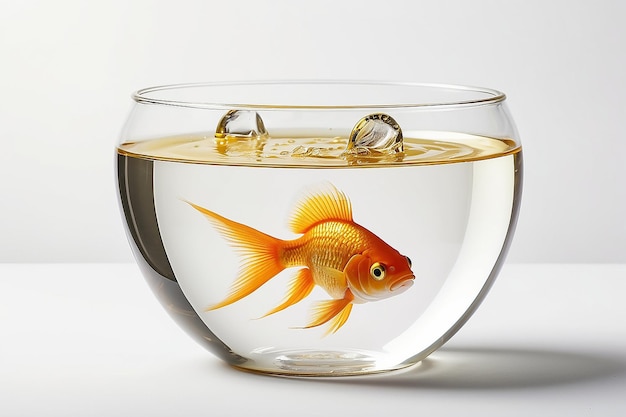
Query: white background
(67, 69)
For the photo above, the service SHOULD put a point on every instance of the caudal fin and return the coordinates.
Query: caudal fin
(260, 254)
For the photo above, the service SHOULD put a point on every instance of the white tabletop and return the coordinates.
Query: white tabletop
(90, 340)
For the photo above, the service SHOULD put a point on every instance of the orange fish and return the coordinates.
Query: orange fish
(349, 262)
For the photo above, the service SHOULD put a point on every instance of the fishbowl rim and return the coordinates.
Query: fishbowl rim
(489, 96)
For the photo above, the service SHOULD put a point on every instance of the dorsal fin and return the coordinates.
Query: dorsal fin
(326, 204)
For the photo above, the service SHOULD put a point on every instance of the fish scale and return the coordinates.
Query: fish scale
(326, 245)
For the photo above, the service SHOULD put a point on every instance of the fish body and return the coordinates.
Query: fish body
(348, 261)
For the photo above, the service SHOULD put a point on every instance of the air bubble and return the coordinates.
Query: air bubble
(311, 151)
(375, 134)
(240, 130)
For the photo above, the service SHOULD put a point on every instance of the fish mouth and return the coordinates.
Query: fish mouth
(402, 284)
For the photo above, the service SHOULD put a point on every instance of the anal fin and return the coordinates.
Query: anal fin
(299, 287)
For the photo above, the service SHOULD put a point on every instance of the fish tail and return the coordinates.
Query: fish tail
(261, 255)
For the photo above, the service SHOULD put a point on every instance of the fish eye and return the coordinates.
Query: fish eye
(377, 271)
(409, 261)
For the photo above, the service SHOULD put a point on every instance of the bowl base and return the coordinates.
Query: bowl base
(318, 363)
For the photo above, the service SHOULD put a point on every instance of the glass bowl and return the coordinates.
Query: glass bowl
(319, 228)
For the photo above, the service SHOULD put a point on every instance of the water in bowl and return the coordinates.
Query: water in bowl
(448, 201)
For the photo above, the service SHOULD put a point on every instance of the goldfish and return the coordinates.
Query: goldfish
(351, 263)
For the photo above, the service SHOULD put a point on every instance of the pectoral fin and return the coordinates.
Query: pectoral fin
(337, 281)
(340, 319)
(334, 311)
